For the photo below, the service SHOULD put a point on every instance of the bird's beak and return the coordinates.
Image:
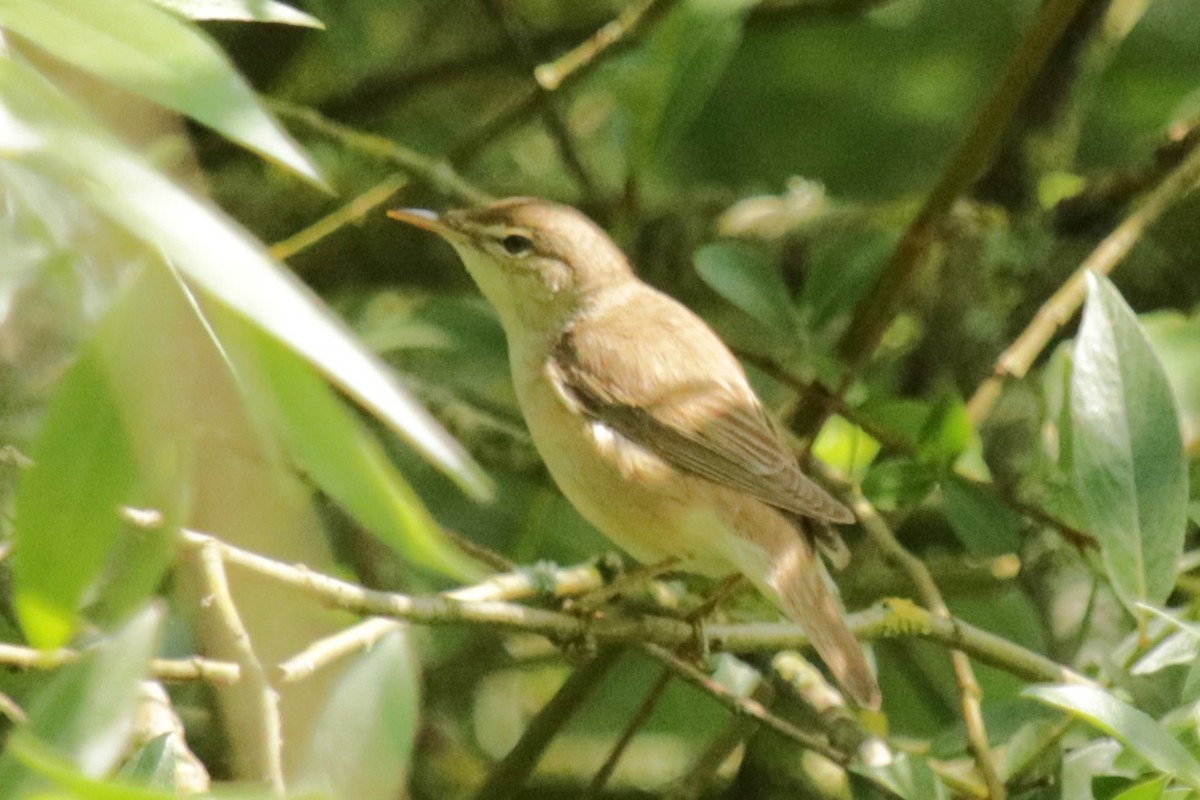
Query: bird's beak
(421, 218)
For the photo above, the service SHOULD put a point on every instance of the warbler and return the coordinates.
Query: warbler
(646, 420)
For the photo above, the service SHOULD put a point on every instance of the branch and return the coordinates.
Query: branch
(1061, 307)
(220, 673)
(349, 213)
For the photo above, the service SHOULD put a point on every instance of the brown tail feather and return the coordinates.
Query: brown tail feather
(798, 584)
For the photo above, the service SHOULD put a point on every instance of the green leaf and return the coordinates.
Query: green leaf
(982, 523)
(1176, 339)
(241, 10)
(846, 447)
(364, 737)
(50, 137)
(1153, 789)
(153, 764)
(68, 503)
(343, 459)
(153, 53)
(679, 68)
(86, 712)
(1129, 465)
(899, 483)
(909, 777)
(1136, 729)
(747, 278)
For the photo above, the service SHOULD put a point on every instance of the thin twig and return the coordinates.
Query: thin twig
(347, 214)
(506, 779)
(745, 706)
(893, 618)
(267, 741)
(1015, 361)
(632, 726)
(434, 172)
(931, 596)
(563, 71)
(516, 34)
(221, 673)
(875, 313)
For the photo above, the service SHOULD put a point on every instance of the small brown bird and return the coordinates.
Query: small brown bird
(645, 419)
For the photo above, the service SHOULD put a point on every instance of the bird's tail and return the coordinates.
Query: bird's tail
(796, 581)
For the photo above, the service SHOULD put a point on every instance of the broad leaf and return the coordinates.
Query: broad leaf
(44, 133)
(908, 776)
(1129, 466)
(69, 502)
(982, 523)
(153, 53)
(85, 714)
(744, 276)
(1139, 731)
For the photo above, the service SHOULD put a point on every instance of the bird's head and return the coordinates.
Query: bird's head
(537, 262)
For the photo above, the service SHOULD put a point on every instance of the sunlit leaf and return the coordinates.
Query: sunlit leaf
(1139, 731)
(1153, 789)
(241, 10)
(845, 447)
(69, 502)
(85, 714)
(161, 57)
(217, 256)
(1129, 465)
(344, 460)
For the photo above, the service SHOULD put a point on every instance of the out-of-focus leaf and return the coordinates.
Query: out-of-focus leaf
(982, 523)
(343, 459)
(85, 714)
(899, 483)
(1153, 789)
(845, 447)
(68, 503)
(1176, 339)
(241, 10)
(1191, 631)
(153, 765)
(1129, 464)
(947, 433)
(1177, 648)
(909, 777)
(153, 53)
(214, 254)
(747, 278)
(364, 737)
(680, 66)
(1139, 731)
(843, 267)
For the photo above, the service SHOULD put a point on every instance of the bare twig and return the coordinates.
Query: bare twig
(875, 313)
(513, 770)
(435, 173)
(349, 213)
(632, 726)
(222, 673)
(972, 695)
(745, 706)
(1015, 361)
(268, 750)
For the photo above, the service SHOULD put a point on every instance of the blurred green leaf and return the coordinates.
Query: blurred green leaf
(681, 64)
(899, 483)
(846, 447)
(86, 712)
(746, 277)
(69, 502)
(982, 523)
(947, 433)
(1129, 464)
(1176, 340)
(1136, 729)
(54, 139)
(241, 10)
(152, 53)
(364, 737)
(1153, 789)
(908, 776)
(343, 459)
(153, 764)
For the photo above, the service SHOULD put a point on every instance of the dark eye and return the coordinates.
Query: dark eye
(517, 245)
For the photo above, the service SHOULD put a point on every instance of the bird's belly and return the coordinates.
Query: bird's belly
(631, 495)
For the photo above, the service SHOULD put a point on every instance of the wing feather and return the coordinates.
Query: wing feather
(659, 391)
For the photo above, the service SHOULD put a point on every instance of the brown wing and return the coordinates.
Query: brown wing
(659, 377)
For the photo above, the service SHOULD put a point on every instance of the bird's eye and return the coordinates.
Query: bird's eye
(517, 245)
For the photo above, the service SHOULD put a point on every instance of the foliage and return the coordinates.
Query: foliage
(882, 205)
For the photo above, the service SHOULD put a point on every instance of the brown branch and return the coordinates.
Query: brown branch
(347, 214)
(1015, 361)
(874, 314)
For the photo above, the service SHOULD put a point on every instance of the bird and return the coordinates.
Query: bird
(647, 422)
